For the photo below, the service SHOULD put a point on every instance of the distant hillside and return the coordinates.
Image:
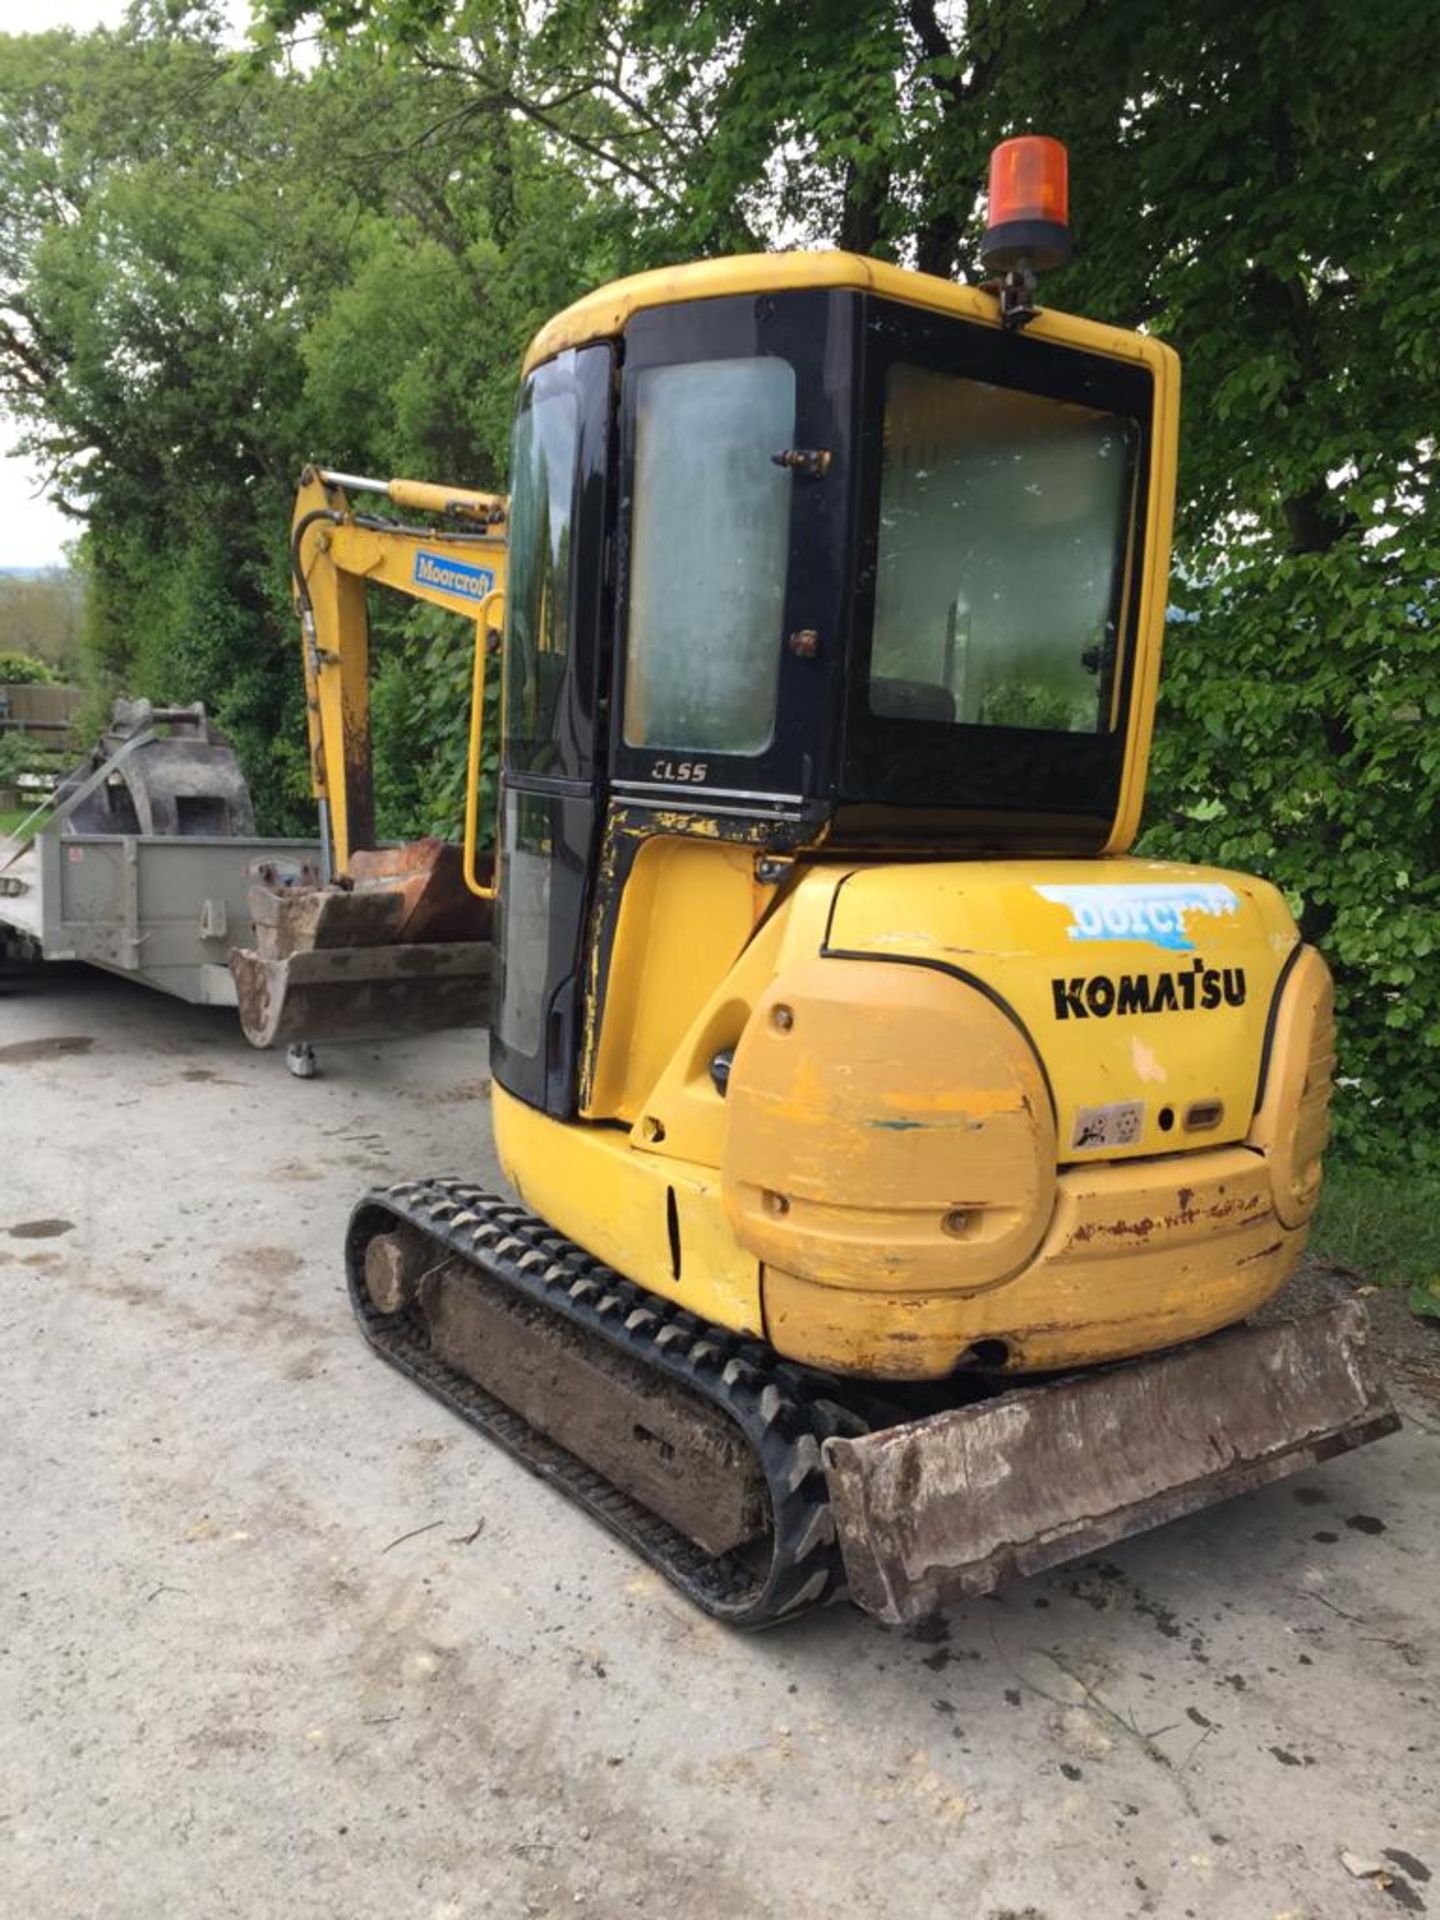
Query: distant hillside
(42, 611)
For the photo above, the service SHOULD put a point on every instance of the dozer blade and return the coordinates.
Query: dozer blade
(361, 993)
(947, 1507)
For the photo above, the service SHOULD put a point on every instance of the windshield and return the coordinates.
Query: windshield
(1003, 531)
(710, 546)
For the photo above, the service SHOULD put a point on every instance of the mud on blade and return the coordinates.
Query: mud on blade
(947, 1507)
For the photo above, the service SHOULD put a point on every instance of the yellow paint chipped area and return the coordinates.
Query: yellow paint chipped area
(1137, 1256)
(969, 1105)
(1020, 944)
(1147, 1066)
(888, 1128)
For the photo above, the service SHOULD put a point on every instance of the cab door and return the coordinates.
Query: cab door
(552, 747)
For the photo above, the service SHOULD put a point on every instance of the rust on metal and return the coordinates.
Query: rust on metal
(401, 946)
(427, 878)
(394, 1265)
(415, 893)
(361, 993)
(948, 1507)
(678, 1457)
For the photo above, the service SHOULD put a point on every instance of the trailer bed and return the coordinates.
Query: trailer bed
(161, 909)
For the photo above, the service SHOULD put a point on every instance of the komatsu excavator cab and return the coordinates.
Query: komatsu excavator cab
(810, 552)
(833, 617)
(851, 1075)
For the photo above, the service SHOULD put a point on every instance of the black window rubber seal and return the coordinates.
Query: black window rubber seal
(1272, 1020)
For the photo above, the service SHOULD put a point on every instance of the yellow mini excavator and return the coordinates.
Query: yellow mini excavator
(896, 1156)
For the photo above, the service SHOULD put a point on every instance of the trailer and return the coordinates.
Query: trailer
(163, 911)
(145, 860)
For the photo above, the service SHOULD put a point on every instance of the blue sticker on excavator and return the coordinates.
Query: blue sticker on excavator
(1156, 914)
(452, 576)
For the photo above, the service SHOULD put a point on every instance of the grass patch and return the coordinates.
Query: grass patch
(10, 821)
(1384, 1226)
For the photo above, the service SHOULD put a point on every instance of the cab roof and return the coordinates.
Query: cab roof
(603, 315)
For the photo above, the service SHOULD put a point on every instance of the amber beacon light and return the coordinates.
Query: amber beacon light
(1028, 222)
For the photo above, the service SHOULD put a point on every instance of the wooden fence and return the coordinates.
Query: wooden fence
(46, 711)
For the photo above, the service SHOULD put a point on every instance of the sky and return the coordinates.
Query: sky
(32, 531)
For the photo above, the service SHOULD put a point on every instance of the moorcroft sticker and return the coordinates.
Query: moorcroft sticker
(452, 576)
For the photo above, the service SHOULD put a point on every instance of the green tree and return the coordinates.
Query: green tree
(214, 266)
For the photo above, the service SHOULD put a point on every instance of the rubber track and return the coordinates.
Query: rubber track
(781, 1410)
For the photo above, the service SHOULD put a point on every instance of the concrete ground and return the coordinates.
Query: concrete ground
(279, 1637)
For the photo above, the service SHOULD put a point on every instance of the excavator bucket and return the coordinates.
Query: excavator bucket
(945, 1508)
(400, 946)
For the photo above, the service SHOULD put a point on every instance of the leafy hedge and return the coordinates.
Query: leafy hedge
(1316, 761)
(24, 670)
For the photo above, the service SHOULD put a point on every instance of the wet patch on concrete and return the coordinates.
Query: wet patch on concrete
(931, 1631)
(20, 1053)
(1309, 1496)
(1103, 1586)
(40, 1229)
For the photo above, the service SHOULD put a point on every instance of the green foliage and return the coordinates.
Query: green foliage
(16, 755)
(1382, 1226)
(421, 724)
(212, 269)
(1022, 703)
(215, 266)
(24, 670)
(41, 615)
(1326, 778)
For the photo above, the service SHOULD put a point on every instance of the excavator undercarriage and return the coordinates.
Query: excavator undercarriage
(762, 1488)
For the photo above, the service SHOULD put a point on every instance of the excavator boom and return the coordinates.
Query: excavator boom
(395, 939)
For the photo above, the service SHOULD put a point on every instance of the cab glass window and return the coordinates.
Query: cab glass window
(527, 865)
(1004, 522)
(709, 543)
(542, 501)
